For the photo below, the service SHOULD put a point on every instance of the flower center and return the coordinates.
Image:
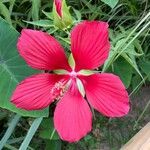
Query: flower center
(58, 90)
(73, 74)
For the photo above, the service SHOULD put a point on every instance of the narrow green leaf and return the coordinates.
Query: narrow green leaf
(30, 133)
(53, 133)
(12, 3)
(41, 23)
(49, 15)
(5, 12)
(9, 147)
(132, 62)
(129, 54)
(111, 3)
(141, 115)
(10, 130)
(131, 48)
(15, 140)
(66, 40)
(78, 14)
(36, 4)
(113, 56)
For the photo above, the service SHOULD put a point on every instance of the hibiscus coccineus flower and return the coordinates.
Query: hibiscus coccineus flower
(58, 4)
(103, 91)
(61, 15)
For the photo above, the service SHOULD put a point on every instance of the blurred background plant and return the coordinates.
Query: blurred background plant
(129, 22)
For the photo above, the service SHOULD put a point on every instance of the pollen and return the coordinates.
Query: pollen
(59, 90)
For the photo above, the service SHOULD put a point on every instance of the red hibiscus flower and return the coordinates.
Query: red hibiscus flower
(103, 91)
(58, 5)
(61, 15)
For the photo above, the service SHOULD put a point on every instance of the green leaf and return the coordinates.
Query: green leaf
(111, 3)
(12, 3)
(12, 70)
(36, 4)
(78, 14)
(41, 23)
(10, 147)
(47, 130)
(5, 12)
(36, 123)
(109, 61)
(9, 130)
(132, 62)
(124, 70)
(136, 85)
(53, 145)
(49, 15)
(145, 67)
(131, 48)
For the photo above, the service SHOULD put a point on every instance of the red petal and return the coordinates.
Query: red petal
(106, 93)
(58, 5)
(89, 44)
(72, 116)
(41, 51)
(35, 92)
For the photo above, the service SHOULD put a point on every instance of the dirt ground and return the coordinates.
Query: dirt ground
(137, 118)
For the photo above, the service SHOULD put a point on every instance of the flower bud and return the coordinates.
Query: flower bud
(61, 14)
